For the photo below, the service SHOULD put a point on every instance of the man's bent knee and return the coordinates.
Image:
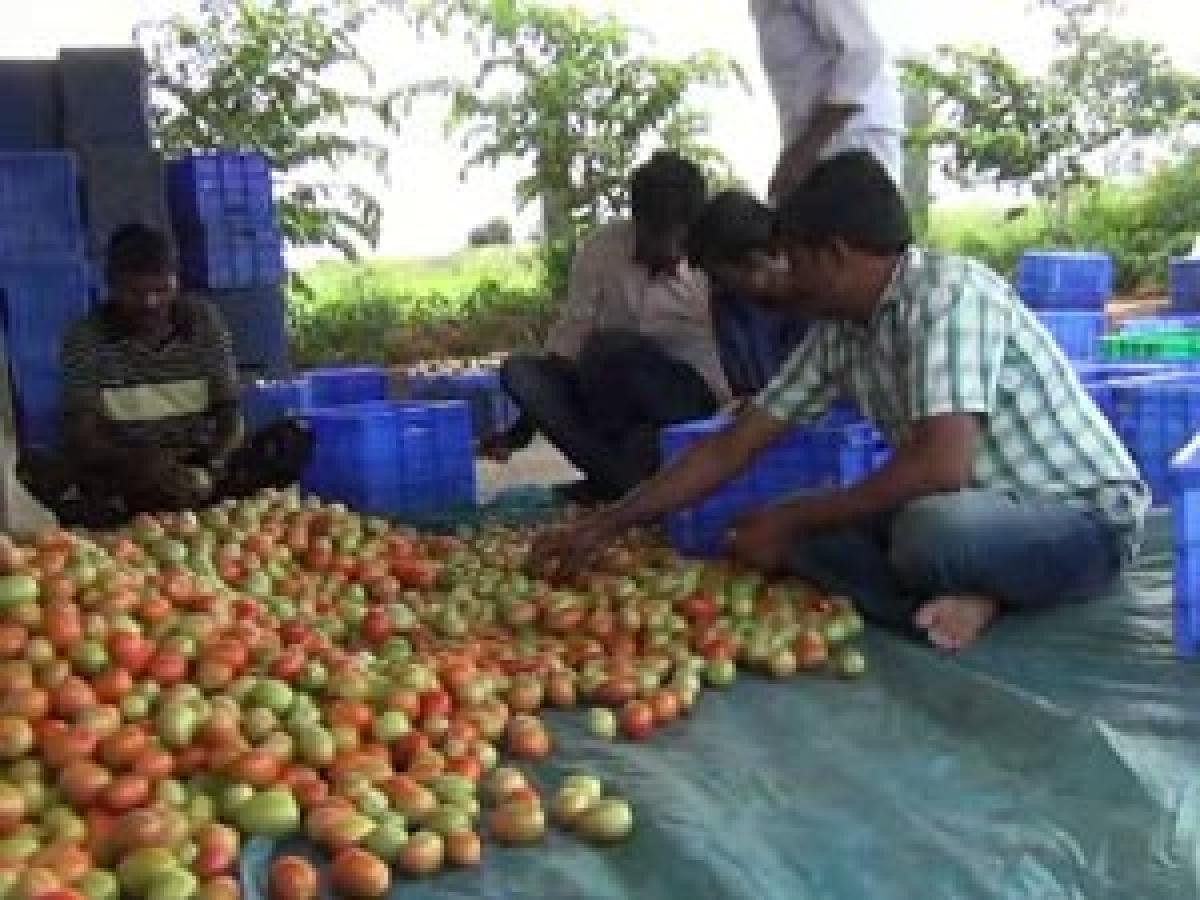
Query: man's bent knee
(928, 530)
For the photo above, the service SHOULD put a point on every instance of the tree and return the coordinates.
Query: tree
(259, 74)
(1003, 125)
(580, 99)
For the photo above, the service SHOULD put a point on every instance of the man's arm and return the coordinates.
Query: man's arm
(845, 27)
(936, 460)
(577, 317)
(225, 407)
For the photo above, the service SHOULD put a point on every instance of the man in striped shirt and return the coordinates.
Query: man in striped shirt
(152, 419)
(1007, 490)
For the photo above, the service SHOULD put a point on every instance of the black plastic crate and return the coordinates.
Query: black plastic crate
(29, 108)
(121, 186)
(257, 322)
(105, 96)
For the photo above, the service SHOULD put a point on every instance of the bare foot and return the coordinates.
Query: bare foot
(953, 622)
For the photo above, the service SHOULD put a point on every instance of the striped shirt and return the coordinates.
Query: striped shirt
(162, 396)
(950, 336)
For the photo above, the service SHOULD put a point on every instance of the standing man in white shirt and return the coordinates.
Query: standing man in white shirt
(833, 83)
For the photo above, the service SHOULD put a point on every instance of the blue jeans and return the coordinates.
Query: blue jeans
(1026, 553)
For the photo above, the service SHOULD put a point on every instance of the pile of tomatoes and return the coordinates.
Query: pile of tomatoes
(276, 667)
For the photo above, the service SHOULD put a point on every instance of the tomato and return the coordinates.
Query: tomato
(637, 720)
(217, 850)
(609, 819)
(518, 823)
(71, 697)
(423, 854)
(168, 667)
(356, 873)
(16, 737)
(123, 747)
(664, 704)
(293, 878)
(82, 781)
(113, 685)
(126, 792)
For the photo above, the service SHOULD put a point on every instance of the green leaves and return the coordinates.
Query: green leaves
(999, 124)
(580, 99)
(283, 77)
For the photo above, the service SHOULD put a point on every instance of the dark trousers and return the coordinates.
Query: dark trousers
(604, 410)
(91, 497)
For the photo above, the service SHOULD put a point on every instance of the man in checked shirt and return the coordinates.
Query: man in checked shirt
(1007, 491)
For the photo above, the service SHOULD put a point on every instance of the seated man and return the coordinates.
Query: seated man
(633, 349)
(152, 422)
(1007, 490)
(754, 341)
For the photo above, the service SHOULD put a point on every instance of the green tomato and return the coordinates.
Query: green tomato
(720, 672)
(390, 726)
(270, 813)
(851, 663)
(99, 884)
(272, 693)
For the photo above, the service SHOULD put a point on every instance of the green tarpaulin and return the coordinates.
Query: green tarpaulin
(1060, 758)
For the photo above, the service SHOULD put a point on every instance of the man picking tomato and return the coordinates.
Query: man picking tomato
(1007, 490)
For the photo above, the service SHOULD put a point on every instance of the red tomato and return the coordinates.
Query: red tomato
(293, 878)
(637, 720)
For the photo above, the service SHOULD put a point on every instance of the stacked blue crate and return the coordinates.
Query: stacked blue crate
(1185, 512)
(230, 246)
(1155, 416)
(266, 402)
(224, 215)
(492, 409)
(809, 458)
(1077, 332)
(1098, 378)
(1156, 324)
(393, 459)
(1183, 276)
(45, 282)
(348, 385)
(1065, 279)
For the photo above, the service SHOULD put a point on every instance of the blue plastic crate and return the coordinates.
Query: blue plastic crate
(1156, 324)
(1065, 279)
(1076, 332)
(230, 255)
(492, 409)
(105, 95)
(392, 459)
(349, 385)
(267, 402)
(39, 206)
(1183, 276)
(257, 322)
(28, 104)
(216, 187)
(39, 302)
(1185, 512)
(1098, 378)
(805, 459)
(1155, 417)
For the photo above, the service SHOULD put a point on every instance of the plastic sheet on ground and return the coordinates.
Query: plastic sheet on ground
(1060, 758)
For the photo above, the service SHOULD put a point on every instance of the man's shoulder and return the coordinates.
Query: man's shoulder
(937, 278)
(91, 330)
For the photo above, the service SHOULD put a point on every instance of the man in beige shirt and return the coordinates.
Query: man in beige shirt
(633, 348)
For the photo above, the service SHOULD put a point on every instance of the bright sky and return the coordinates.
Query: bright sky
(429, 211)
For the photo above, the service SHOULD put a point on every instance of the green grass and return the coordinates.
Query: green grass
(400, 311)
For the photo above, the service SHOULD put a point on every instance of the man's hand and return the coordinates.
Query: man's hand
(762, 540)
(793, 167)
(563, 552)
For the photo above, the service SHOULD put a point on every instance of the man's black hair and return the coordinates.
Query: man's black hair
(667, 190)
(733, 225)
(849, 197)
(139, 250)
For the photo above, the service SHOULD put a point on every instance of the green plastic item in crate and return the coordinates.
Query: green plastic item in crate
(1163, 346)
